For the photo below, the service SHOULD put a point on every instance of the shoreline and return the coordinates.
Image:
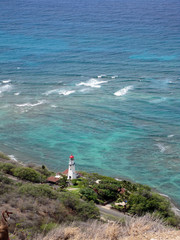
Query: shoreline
(174, 206)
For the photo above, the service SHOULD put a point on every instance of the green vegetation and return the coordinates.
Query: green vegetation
(29, 174)
(4, 156)
(7, 168)
(41, 206)
(40, 190)
(139, 199)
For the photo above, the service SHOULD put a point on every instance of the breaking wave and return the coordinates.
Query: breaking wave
(60, 92)
(6, 81)
(5, 88)
(66, 93)
(123, 91)
(12, 157)
(94, 83)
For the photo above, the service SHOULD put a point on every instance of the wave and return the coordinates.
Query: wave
(30, 104)
(162, 147)
(6, 81)
(60, 92)
(94, 83)
(5, 88)
(66, 93)
(114, 76)
(102, 76)
(123, 91)
(51, 92)
(17, 93)
(170, 136)
(12, 157)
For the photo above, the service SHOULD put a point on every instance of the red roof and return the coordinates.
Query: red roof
(65, 172)
(52, 179)
(72, 157)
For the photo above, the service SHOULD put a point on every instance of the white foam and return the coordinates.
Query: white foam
(30, 104)
(6, 81)
(170, 136)
(17, 93)
(5, 88)
(94, 83)
(114, 77)
(66, 93)
(123, 91)
(12, 157)
(101, 76)
(162, 147)
(51, 92)
(18, 68)
(60, 92)
(53, 106)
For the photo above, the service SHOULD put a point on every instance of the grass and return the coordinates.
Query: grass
(137, 229)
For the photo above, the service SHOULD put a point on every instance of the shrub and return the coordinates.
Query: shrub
(87, 211)
(38, 191)
(26, 173)
(4, 156)
(7, 167)
(5, 180)
(82, 210)
(89, 194)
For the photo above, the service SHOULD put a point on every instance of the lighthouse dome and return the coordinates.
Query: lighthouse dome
(71, 157)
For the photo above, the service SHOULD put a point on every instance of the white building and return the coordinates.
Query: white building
(71, 170)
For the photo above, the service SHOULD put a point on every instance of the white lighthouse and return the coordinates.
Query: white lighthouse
(71, 169)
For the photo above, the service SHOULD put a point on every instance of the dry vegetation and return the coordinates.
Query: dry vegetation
(41, 212)
(137, 229)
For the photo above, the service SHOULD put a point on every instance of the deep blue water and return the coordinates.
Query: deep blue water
(98, 79)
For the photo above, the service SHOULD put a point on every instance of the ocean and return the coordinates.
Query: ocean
(96, 79)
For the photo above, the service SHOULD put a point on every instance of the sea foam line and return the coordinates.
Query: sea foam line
(31, 104)
(94, 83)
(123, 91)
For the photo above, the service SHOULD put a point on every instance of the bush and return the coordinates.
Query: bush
(89, 194)
(38, 191)
(87, 211)
(4, 156)
(5, 180)
(7, 167)
(82, 210)
(26, 173)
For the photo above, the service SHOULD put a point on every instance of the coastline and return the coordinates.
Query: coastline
(174, 206)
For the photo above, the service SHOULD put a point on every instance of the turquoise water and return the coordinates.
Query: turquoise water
(96, 79)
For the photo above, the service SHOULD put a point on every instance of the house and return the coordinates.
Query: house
(53, 180)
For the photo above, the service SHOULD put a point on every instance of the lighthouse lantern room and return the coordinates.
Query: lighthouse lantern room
(71, 170)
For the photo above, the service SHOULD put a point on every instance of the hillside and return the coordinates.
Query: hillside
(45, 211)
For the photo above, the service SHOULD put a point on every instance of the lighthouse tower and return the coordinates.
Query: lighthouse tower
(71, 169)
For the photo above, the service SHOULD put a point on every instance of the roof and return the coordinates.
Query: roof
(65, 172)
(72, 157)
(52, 179)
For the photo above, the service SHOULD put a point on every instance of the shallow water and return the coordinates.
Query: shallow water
(97, 80)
